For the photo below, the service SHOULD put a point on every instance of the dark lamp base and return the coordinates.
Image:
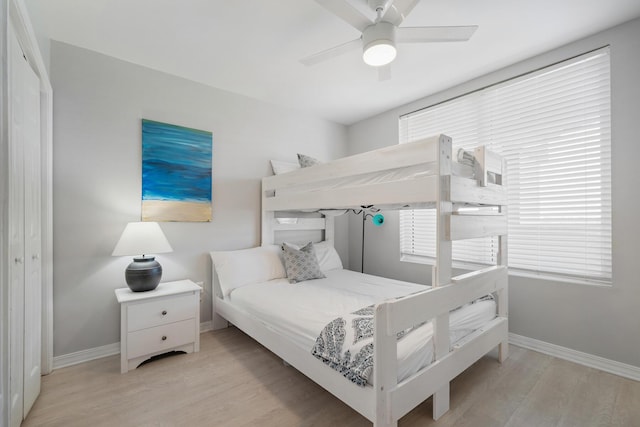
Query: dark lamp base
(143, 274)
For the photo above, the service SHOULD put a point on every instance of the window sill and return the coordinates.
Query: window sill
(550, 277)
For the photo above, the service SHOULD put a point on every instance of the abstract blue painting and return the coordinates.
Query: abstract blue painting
(176, 173)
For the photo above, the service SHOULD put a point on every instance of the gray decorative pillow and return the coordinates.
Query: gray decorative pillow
(301, 264)
(306, 161)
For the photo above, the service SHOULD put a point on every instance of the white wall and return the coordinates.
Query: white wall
(99, 102)
(596, 320)
(38, 21)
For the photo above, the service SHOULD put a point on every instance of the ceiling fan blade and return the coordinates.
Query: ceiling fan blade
(346, 12)
(435, 34)
(331, 53)
(398, 10)
(384, 73)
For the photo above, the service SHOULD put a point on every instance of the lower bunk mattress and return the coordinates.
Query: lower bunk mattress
(301, 311)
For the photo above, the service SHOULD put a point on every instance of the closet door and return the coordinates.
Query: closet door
(32, 239)
(25, 288)
(16, 235)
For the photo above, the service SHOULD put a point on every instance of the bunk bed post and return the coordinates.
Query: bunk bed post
(481, 166)
(330, 229)
(268, 233)
(442, 270)
(217, 321)
(503, 294)
(503, 300)
(385, 370)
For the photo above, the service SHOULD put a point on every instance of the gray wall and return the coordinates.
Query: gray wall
(99, 102)
(602, 321)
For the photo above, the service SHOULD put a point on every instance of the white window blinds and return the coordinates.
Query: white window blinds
(553, 128)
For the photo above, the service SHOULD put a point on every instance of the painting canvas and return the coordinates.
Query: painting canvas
(176, 173)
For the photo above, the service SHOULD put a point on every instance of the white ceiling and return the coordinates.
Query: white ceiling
(253, 47)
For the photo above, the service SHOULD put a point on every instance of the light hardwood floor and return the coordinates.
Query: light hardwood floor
(233, 381)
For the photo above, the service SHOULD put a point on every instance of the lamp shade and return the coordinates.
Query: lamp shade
(139, 238)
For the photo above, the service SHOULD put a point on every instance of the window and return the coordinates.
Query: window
(553, 128)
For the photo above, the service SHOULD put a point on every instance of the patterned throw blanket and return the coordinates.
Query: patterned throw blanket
(355, 359)
(346, 343)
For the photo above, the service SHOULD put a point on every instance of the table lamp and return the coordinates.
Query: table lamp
(142, 238)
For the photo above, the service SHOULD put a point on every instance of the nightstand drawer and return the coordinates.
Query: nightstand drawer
(161, 311)
(160, 338)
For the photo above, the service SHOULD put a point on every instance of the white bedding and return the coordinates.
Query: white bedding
(301, 310)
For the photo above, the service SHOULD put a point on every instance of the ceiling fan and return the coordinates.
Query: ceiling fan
(379, 37)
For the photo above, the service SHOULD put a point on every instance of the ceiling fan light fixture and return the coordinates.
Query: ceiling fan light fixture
(379, 54)
(379, 44)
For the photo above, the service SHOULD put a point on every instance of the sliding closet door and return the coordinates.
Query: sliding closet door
(32, 239)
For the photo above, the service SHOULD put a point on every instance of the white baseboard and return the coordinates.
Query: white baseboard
(586, 359)
(85, 355)
(103, 351)
(206, 326)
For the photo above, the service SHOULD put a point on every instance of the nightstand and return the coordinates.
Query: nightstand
(155, 322)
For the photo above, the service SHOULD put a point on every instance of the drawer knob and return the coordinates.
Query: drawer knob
(164, 338)
(164, 312)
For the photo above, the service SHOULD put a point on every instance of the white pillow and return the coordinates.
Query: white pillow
(328, 257)
(247, 266)
(283, 167)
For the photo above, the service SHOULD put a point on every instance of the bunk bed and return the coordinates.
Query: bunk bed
(421, 174)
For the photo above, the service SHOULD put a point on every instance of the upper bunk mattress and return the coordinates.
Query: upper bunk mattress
(378, 177)
(301, 310)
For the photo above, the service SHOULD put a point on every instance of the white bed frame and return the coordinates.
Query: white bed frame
(387, 400)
